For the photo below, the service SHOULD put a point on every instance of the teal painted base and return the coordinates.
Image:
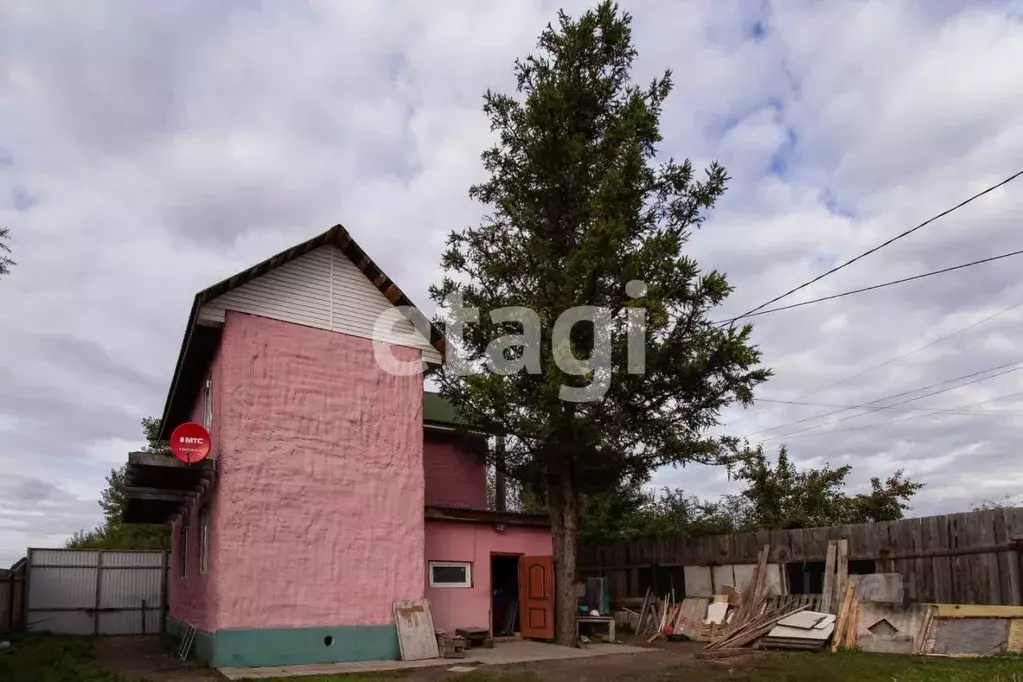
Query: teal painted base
(292, 646)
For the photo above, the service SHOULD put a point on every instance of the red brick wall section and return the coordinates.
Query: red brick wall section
(454, 476)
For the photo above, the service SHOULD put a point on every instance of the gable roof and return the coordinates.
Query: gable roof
(201, 338)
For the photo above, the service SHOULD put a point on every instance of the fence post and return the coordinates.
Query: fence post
(164, 567)
(24, 590)
(1015, 588)
(99, 586)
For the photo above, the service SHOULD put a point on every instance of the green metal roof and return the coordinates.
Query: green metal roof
(439, 410)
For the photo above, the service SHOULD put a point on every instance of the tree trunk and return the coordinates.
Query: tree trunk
(500, 487)
(564, 511)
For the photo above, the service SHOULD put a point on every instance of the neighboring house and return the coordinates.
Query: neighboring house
(334, 488)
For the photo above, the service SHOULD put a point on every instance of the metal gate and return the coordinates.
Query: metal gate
(96, 592)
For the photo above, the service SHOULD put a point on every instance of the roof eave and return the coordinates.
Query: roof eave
(336, 235)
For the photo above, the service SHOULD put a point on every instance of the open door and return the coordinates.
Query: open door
(536, 597)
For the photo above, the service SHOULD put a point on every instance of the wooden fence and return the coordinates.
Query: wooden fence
(968, 558)
(12, 602)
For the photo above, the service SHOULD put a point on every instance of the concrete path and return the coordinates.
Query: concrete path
(502, 654)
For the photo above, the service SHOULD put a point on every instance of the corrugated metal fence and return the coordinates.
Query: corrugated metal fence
(96, 592)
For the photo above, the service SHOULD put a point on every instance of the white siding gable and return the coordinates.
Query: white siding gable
(322, 289)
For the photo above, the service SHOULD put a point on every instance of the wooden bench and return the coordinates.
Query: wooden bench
(609, 621)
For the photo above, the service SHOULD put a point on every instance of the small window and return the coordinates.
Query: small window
(207, 404)
(183, 551)
(204, 540)
(450, 574)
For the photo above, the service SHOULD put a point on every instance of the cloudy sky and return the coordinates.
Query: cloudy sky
(148, 150)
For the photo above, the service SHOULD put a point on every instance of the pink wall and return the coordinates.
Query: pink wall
(319, 502)
(454, 477)
(193, 599)
(455, 607)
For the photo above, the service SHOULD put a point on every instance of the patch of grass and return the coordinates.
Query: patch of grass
(47, 658)
(481, 676)
(848, 666)
(398, 676)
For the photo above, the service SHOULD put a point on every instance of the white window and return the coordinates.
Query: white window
(450, 574)
(204, 540)
(183, 551)
(207, 404)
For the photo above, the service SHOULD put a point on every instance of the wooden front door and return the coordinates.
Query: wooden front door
(536, 597)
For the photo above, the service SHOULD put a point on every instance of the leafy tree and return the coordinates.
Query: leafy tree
(112, 533)
(5, 261)
(775, 497)
(1007, 502)
(578, 210)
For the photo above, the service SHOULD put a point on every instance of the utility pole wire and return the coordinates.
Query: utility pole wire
(878, 286)
(885, 407)
(879, 246)
(907, 418)
(888, 361)
(926, 395)
(891, 397)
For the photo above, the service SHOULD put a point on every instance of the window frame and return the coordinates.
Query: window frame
(204, 540)
(207, 404)
(467, 565)
(183, 550)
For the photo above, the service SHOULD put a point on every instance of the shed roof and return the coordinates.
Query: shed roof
(439, 410)
(199, 343)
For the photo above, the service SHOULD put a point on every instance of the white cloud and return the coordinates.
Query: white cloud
(153, 149)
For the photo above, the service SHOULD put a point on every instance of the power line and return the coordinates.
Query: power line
(926, 395)
(892, 359)
(892, 397)
(878, 286)
(883, 408)
(907, 418)
(880, 246)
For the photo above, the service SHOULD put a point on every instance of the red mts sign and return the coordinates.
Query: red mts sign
(190, 442)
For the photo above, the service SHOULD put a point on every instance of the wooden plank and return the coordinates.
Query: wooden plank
(642, 610)
(761, 572)
(797, 542)
(977, 611)
(417, 640)
(1014, 643)
(945, 591)
(919, 644)
(960, 569)
(843, 615)
(850, 629)
(996, 595)
(1001, 559)
(841, 566)
(925, 588)
(829, 579)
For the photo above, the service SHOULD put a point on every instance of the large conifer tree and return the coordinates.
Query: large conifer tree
(578, 209)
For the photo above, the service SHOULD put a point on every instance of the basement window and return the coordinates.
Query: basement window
(450, 574)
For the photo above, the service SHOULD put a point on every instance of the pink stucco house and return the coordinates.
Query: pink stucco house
(334, 486)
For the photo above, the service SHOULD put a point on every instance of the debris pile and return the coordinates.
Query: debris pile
(749, 617)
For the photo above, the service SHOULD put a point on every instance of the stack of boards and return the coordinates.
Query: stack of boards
(807, 630)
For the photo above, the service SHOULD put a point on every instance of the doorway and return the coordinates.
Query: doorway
(504, 594)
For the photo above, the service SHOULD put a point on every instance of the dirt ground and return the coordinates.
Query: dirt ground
(671, 661)
(148, 658)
